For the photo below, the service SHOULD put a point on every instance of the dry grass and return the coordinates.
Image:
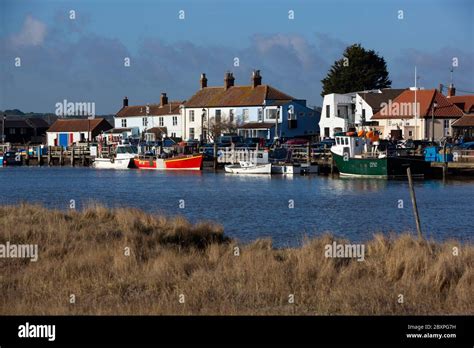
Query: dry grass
(82, 253)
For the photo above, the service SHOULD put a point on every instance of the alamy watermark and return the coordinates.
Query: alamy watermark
(345, 251)
(27, 251)
(66, 108)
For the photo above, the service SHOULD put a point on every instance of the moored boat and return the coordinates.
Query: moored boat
(246, 167)
(122, 159)
(359, 157)
(286, 169)
(191, 162)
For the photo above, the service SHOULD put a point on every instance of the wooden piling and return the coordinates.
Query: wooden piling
(72, 156)
(61, 156)
(49, 154)
(413, 202)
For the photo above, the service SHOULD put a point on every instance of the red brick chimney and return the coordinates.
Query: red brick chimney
(451, 91)
(203, 81)
(163, 99)
(125, 102)
(256, 78)
(228, 80)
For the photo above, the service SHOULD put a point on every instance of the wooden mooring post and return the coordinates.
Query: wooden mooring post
(61, 156)
(72, 156)
(413, 202)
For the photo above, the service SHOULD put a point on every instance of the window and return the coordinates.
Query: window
(161, 121)
(326, 132)
(245, 113)
(272, 114)
(12, 130)
(389, 122)
(145, 121)
(175, 120)
(191, 115)
(124, 122)
(363, 115)
(328, 110)
(191, 133)
(173, 135)
(347, 141)
(446, 127)
(260, 114)
(231, 115)
(410, 133)
(218, 115)
(22, 130)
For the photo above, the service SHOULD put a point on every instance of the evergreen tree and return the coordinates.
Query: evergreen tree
(358, 70)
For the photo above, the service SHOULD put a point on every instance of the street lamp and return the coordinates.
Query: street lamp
(435, 105)
(203, 115)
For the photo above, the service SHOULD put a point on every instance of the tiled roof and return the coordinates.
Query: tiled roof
(464, 102)
(465, 121)
(257, 125)
(79, 125)
(425, 99)
(375, 100)
(172, 108)
(235, 96)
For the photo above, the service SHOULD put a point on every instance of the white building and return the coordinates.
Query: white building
(341, 112)
(66, 132)
(337, 114)
(152, 120)
(255, 104)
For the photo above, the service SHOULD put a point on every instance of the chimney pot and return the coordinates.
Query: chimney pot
(451, 91)
(228, 80)
(125, 102)
(256, 78)
(203, 81)
(163, 99)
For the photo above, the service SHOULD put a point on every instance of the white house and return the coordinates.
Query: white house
(264, 110)
(341, 112)
(151, 119)
(65, 131)
(337, 114)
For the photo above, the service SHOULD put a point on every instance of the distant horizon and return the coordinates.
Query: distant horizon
(82, 55)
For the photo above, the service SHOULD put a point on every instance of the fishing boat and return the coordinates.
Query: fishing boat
(184, 162)
(357, 155)
(247, 167)
(122, 159)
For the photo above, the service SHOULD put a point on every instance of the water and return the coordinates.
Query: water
(251, 207)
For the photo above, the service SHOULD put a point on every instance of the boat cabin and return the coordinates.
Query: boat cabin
(350, 145)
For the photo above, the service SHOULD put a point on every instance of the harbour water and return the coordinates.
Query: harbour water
(249, 207)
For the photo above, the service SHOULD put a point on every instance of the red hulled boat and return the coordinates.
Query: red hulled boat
(193, 162)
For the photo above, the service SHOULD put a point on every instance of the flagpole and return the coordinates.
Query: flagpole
(416, 108)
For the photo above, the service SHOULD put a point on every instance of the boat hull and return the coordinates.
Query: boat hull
(257, 169)
(178, 163)
(383, 168)
(285, 169)
(105, 163)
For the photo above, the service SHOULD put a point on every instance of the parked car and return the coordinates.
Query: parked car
(296, 141)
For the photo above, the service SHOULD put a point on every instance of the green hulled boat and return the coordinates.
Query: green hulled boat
(358, 157)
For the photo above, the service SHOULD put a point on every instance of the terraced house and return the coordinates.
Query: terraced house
(255, 110)
(150, 121)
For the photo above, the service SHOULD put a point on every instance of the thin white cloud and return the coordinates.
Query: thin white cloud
(32, 33)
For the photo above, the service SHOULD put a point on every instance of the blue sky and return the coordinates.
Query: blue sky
(82, 59)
